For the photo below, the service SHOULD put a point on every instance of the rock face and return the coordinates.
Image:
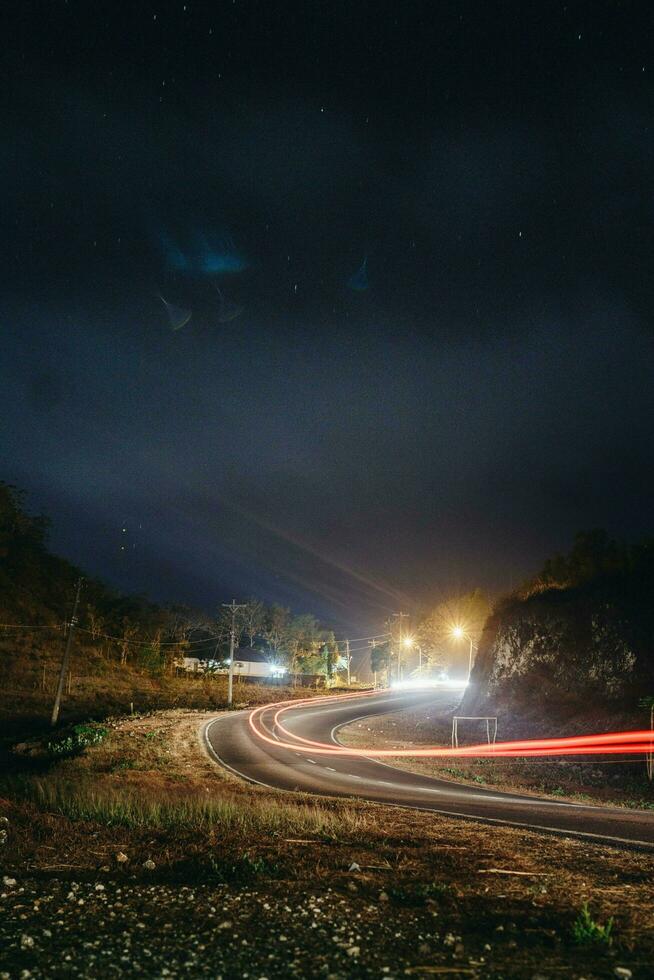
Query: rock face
(562, 648)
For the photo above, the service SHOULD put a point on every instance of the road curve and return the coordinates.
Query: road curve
(233, 743)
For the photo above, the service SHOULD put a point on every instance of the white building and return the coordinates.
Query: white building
(249, 662)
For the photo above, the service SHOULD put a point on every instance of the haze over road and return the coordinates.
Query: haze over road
(236, 746)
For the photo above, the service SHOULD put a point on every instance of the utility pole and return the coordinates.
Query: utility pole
(64, 663)
(232, 643)
(347, 654)
(400, 616)
(373, 644)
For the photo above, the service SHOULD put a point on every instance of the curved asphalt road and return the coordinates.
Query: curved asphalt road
(232, 742)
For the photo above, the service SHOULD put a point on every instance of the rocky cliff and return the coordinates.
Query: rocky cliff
(571, 648)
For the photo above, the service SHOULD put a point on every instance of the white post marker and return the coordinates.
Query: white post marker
(487, 718)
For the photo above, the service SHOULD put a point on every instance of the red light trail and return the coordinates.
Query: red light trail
(609, 743)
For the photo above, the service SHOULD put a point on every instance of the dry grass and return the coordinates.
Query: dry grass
(154, 810)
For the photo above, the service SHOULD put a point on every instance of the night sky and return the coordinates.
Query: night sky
(416, 243)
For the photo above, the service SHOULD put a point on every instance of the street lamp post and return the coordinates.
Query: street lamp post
(410, 643)
(401, 641)
(458, 632)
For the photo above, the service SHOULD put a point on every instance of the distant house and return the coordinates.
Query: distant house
(249, 662)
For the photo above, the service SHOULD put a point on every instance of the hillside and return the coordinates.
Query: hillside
(98, 685)
(574, 643)
(126, 649)
(37, 592)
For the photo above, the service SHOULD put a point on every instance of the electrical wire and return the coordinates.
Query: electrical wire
(22, 626)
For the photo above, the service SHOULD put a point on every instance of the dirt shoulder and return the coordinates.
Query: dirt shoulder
(141, 857)
(620, 783)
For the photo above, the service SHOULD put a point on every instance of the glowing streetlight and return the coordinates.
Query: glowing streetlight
(410, 643)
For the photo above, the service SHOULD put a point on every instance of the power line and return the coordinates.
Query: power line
(163, 643)
(360, 639)
(169, 643)
(117, 639)
(25, 626)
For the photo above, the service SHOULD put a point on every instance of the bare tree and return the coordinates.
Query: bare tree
(275, 629)
(253, 617)
(95, 620)
(129, 634)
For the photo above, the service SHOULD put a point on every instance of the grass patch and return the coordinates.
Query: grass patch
(124, 765)
(193, 813)
(586, 931)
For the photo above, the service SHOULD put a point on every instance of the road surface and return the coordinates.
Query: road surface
(233, 743)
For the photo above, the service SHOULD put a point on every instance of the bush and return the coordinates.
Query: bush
(80, 738)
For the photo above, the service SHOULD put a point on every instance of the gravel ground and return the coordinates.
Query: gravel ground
(53, 928)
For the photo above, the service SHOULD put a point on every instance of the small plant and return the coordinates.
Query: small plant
(453, 771)
(80, 738)
(587, 931)
(123, 765)
(243, 870)
(417, 893)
